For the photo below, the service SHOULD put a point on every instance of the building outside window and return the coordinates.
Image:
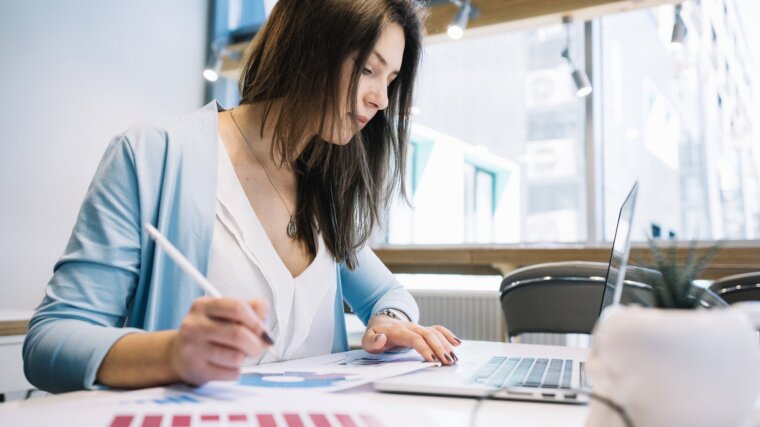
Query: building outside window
(499, 113)
(677, 120)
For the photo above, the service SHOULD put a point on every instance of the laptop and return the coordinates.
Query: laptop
(538, 373)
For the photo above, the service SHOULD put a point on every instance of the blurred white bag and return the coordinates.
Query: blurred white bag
(675, 367)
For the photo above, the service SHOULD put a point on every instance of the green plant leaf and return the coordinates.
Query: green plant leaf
(673, 285)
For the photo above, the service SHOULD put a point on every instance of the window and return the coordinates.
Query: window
(479, 189)
(677, 121)
(670, 119)
(499, 142)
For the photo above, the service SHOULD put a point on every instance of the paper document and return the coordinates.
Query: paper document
(271, 395)
(332, 372)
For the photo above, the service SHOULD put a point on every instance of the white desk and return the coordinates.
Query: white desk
(443, 411)
(13, 326)
(456, 412)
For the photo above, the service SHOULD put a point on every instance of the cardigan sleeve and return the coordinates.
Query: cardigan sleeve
(86, 300)
(371, 287)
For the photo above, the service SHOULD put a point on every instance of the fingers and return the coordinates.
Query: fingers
(196, 361)
(419, 344)
(218, 373)
(260, 307)
(373, 342)
(234, 336)
(215, 338)
(224, 357)
(206, 323)
(435, 342)
(450, 337)
(233, 310)
(430, 343)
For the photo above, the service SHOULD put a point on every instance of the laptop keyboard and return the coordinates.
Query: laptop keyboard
(526, 372)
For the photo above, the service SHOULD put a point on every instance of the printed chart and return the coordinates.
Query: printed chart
(292, 379)
(329, 373)
(262, 419)
(179, 399)
(361, 358)
(287, 394)
(149, 408)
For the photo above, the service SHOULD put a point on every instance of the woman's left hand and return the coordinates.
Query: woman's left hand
(433, 343)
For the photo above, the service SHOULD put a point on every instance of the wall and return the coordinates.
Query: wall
(73, 74)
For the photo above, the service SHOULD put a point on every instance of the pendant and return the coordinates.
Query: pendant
(292, 229)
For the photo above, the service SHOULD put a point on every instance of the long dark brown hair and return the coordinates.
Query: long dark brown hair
(297, 58)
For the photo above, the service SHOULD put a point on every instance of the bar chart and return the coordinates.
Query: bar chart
(241, 419)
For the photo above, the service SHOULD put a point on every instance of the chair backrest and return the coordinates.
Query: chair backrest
(561, 297)
(739, 287)
(565, 297)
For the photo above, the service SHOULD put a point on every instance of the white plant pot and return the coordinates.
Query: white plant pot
(674, 367)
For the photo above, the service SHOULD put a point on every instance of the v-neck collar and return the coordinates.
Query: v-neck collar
(232, 191)
(238, 214)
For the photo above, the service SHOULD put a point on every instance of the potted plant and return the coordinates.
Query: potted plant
(677, 363)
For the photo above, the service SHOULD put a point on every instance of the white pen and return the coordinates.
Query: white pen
(197, 277)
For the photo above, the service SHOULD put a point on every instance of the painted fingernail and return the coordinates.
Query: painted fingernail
(458, 340)
(449, 358)
(267, 339)
(456, 359)
(436, 359)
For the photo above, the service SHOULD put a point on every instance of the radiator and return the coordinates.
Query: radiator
(572, 340)
(471, 315)
(477, 315)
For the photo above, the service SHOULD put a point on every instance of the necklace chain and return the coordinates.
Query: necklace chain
(292, 229)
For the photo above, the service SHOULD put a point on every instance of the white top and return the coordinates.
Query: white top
(245, 265)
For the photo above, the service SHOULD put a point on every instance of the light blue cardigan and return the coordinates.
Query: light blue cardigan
(110, 280)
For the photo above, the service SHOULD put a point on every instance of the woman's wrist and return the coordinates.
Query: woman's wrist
(393, 313)
(170, 355)
(140, 360)
(381, 319)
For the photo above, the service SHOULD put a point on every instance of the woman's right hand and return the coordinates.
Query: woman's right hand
(215, 338)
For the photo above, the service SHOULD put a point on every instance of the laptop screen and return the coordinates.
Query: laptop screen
(621, 245)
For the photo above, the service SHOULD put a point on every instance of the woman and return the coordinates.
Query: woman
(273, 200)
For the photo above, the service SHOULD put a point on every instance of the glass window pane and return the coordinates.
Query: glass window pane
(499, 140)
(484, 188)
(677, 118)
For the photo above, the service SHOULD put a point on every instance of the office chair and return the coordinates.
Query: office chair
(739, 287)
(565, 297)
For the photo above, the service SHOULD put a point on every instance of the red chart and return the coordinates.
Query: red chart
(259, 419)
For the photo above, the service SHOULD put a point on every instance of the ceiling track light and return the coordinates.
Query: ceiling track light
(213, 67)
(679, 30)
(582, 83)
(218, 53)
(465, 12)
